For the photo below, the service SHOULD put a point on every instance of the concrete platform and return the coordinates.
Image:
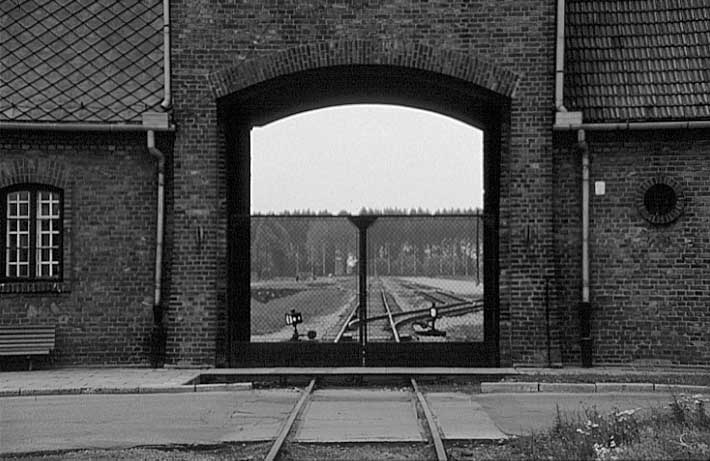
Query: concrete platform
(359, 415)
(461, 418)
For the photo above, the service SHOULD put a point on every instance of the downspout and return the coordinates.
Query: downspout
(560, 58)
(158, 335)
(585, 309)
(167, 101)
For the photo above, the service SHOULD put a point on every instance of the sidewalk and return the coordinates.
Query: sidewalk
(147, 380)
(94, 380)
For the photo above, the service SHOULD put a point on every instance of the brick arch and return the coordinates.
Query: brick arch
(48, 172)
(38, 171)
(464, 66)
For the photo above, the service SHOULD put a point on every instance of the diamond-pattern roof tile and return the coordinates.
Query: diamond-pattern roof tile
(80, 60)
(638, 60)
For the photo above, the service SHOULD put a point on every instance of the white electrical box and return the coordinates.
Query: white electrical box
(599, 187)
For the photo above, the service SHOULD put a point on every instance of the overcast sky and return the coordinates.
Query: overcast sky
(376, 156)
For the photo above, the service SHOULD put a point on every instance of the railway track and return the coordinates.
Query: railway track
(384, 327)
(385, 322)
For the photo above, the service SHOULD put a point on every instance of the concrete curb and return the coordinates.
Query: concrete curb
(154, 389)
(568, 387)
(590, 388)
(625, 387)
(511, 387)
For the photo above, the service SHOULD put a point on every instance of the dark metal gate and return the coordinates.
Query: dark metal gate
(367, 290)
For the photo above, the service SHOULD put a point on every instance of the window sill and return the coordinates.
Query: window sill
(35, 287)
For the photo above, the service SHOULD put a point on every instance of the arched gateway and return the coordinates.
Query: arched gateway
(319, 75)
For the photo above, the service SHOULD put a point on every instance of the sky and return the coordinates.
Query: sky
(373, 156)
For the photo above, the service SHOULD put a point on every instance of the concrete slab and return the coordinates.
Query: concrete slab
(359, 415)
(117, 421)
(460, 418)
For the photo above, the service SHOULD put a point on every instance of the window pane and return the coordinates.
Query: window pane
(39, 241)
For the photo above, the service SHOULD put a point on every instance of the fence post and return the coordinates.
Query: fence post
(362, 223)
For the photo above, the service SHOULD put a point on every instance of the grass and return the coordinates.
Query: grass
(681, 432)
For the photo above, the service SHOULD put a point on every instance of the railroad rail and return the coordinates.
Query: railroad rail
(306, 394)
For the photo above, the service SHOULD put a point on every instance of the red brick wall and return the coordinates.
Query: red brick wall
(104, 311)
(515, 36)
(649, 284)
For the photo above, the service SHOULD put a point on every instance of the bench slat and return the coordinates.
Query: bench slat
(8, 339)
(27, 340)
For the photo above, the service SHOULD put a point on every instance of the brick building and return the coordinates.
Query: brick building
(124, 166)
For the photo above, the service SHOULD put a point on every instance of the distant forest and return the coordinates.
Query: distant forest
(305, 244)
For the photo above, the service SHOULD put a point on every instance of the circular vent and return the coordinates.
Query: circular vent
(661, 200)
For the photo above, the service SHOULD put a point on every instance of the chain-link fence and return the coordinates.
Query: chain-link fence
(419, 262)
(304, 265)
(305, 270)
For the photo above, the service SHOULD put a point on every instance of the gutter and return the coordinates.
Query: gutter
(102, 127)
(623, 126)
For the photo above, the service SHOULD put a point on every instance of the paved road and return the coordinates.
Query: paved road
(119, 421)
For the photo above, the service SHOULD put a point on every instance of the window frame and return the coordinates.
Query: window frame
(34, 189)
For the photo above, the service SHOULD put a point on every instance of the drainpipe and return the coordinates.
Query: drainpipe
(167, 101)
(158, 334)
(585, 309)
(560, 58)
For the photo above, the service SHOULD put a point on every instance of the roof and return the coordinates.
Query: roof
(102, 60)
(638, 60)
(80, 60)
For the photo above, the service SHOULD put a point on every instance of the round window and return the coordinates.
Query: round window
(661, 200)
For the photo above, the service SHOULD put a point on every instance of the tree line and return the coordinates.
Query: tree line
(304, 244)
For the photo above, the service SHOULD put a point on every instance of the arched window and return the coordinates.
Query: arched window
(32, 233)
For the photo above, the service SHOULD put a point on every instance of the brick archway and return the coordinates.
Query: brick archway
(359, 72)
(467, 67)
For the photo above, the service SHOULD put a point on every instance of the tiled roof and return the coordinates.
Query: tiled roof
(80, 60)
(638, 60)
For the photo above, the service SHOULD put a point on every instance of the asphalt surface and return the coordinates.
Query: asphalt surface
(45, 423)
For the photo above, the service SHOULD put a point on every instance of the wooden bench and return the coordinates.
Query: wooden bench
(27, 341)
